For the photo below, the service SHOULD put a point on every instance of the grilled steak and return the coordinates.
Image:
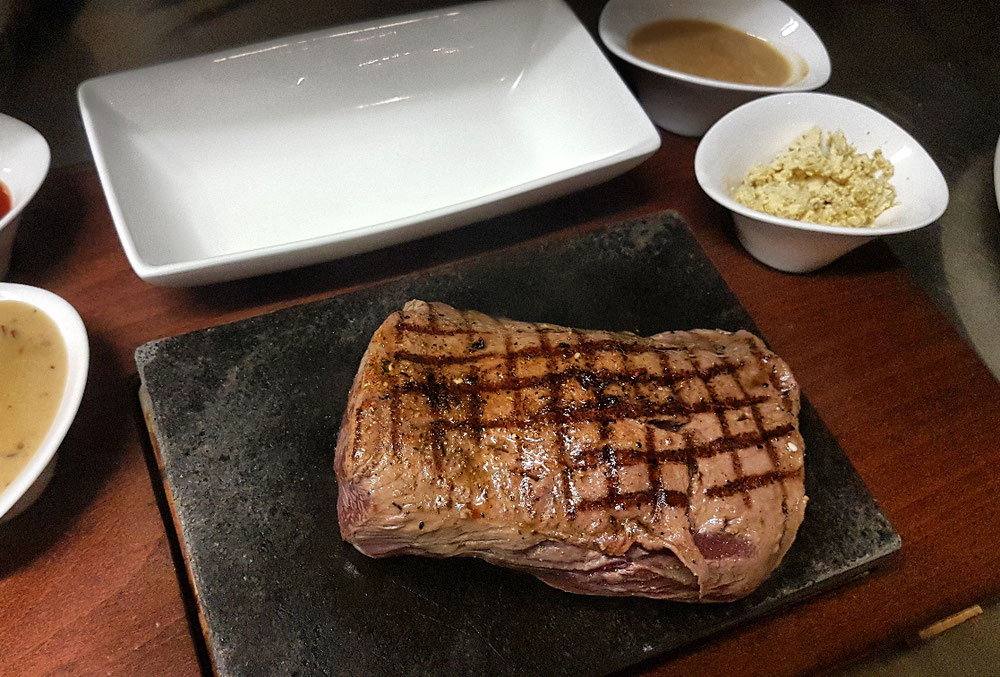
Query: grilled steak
(603, 463)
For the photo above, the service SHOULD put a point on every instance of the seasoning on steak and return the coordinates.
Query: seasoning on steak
(603, 463)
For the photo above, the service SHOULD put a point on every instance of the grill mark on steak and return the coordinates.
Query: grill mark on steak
(475, 406)
(555, 386)
(748, 483)
(451, 331)
(517, 397)
(680, 499)
(607, 410)
(435, 394)
(655, 474)
(585, 348)
(608, 458)
(590, 382)
(589, 379)
(437, 398)
(525, 326)
(772, 452)
(586, 458)
(657, 498)
(720, 415)
(553, 389)
(358, 435)
(693, 473)
(395, 434)
(685, 456)
(517, 404)
(474, 473)
(578, 413)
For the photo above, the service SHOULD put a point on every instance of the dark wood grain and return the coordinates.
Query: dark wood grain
(89, 584)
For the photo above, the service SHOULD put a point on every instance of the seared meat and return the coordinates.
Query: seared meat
(603, 463)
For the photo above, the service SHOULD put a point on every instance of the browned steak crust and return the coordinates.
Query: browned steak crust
(604, 463)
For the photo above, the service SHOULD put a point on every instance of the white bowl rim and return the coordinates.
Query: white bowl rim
(26, 132)
(996, 173)
(825, 67)
(74, 335)
(701, 174)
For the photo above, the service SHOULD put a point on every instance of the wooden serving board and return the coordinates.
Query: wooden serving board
(244, 417)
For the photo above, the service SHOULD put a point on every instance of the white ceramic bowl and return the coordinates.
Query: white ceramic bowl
(757, 132)
(24, 162)
(35, 476)
(996, 173)
(688, 104)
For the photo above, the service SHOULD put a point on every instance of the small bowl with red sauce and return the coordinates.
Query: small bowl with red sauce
(24, 162)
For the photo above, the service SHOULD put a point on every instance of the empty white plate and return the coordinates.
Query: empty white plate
(335, 142)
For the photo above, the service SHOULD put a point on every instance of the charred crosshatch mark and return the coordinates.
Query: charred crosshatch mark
(395, 436)
(457, 404)
(595, 380)
(727, 434)
(769, 444)
(585, 348)
(588, 457)
(748, 483)
(475, 421)
(437, 399)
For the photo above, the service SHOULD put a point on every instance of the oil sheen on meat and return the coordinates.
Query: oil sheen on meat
(603, 463)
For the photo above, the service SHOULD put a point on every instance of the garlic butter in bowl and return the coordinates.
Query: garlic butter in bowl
(808, 177)
(44, 361)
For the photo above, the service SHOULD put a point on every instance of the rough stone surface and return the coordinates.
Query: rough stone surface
(245, 416)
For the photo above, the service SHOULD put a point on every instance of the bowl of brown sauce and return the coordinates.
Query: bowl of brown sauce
(692, 61)
(24, 162)
(44, 359)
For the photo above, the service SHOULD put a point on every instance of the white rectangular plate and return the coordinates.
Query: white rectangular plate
(335, 142)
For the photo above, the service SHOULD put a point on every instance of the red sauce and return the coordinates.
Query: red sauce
(4, 200)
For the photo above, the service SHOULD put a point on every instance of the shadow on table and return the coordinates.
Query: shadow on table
(872, 257)
(49, 231)
(188, 595)
(588, 206)
(88, 458)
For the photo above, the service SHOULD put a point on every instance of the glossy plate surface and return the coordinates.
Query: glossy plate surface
(335, 142)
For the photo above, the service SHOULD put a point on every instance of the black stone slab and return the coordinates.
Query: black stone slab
(244, 418)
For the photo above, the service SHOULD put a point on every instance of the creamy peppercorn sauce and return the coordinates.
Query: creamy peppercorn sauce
(33, 368)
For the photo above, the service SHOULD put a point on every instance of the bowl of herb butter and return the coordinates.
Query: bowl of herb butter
(808, 177)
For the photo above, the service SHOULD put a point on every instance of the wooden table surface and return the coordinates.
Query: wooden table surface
(89, 577)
